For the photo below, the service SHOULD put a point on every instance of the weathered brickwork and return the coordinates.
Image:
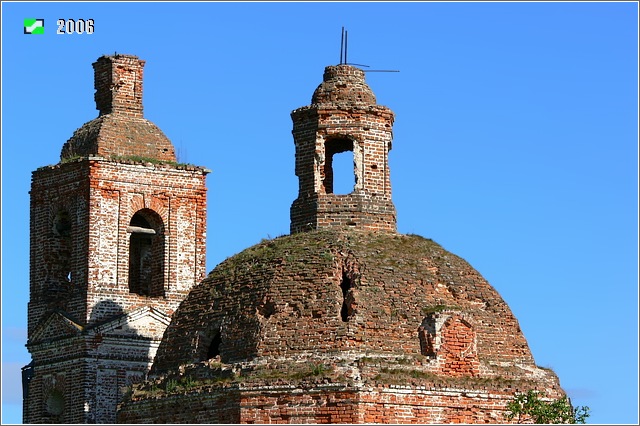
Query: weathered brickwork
(287, 297)
(393, 328)
(207, 393)
(117, 241)
(89, 371)
(343, 116)
(120, 131)
(89, 265)
(323, 404)
(118, 84)
(343, 321)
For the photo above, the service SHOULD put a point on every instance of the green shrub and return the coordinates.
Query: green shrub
(528, 407)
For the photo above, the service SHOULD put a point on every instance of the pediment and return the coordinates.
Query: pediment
(142, 322)
(58, 324)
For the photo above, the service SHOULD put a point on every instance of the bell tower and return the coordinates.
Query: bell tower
(117, 240)
(343, 117)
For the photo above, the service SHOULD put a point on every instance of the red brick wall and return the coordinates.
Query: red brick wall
(52, 256)
(118, 84)
(60, 369)
(84, 274)
(101, 197)
(322, 404)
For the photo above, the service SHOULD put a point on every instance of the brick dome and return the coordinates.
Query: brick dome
(118, 136)
(343, 84)
(332, 326)
(343, 293)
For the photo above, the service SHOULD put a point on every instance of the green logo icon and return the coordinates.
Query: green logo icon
(33, 26)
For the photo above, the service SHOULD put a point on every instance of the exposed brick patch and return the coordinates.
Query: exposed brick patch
(343, 84)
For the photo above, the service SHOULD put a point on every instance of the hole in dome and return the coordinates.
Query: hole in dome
(347, 298)
(214, 346)
(267, 309)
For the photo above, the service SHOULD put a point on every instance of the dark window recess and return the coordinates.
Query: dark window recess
(62, 224)
(214, 346)
(146, 256)
(59, 259)
(342, 165)
(54, 405)
(348, 301)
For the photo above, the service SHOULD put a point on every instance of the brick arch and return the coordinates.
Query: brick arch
(136, 203)
(326, 137)
(158, 205)
(63, 205)
(156, 221)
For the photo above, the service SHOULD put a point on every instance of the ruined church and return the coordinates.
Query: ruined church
(343, 321)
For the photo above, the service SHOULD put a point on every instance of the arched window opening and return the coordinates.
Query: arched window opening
(146, 254)
(59, 255)
(348, 301)
(339, 163)
(214, 346)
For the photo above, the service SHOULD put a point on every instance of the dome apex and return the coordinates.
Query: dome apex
(343, 84)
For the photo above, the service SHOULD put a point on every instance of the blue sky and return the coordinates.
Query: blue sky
(515, 145)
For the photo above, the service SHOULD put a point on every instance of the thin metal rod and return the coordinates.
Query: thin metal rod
(346, 42)
(381, 70)
(341, 45)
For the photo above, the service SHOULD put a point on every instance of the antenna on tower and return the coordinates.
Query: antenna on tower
(344, 41)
